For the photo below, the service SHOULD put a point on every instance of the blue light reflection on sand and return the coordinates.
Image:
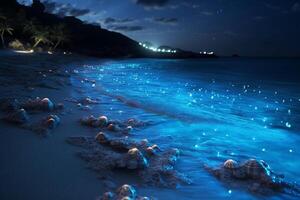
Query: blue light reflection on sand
(211, 114)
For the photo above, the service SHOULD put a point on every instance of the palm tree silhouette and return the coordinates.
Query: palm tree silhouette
(41, 36)
(59, 35)
(5, 28)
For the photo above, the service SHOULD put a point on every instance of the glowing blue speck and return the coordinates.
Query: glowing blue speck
(288, 125)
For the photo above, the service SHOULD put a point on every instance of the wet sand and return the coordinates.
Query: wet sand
(33, 166)
(37, 167)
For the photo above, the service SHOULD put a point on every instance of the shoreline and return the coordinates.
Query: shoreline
(45, 165)
(50, 165)
(31, 160)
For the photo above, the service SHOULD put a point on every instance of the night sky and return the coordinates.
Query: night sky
(244, 27)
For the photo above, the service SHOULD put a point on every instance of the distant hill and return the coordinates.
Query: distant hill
(83, 38)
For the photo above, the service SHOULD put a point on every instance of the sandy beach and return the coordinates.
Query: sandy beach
(208, 125)
(32, 162)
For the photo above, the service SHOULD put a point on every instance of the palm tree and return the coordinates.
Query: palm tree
(59, 35)
(5, 28)
(41, 36)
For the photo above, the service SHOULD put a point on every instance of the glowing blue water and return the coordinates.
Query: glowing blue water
(210, 109)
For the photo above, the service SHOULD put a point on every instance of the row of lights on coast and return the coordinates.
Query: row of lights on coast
(157, 49)
(207, 53)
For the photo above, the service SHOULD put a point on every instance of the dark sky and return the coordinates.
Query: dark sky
(245, 27)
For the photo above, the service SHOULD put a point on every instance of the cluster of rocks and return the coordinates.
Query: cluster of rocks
(16, 112)
(153, 165)
(125, 192)
(84, 103)
(254, 175)
(46, 125)
(39, 104)
(112, 125)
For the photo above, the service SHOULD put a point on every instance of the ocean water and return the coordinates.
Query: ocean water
(212, 110)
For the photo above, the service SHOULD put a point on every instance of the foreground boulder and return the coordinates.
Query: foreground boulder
(125, 192)
(254, 175)
(154, 168)
(44, 104)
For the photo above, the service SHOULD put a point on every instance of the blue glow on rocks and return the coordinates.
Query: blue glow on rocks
(203, 109)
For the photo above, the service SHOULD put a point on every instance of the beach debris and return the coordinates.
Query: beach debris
(114, 128)
(112, 125)
(16, 113)
(46, 125)
(161, 171)
(37, 104)
(125, 192)
(152, 149)
(103, 120)
(107, 152)
(135, 159)
(122, 144)
(92, 121)
(254, 175)
(44, 104)
(51, 122)
(19, 116)
(134, 123)
(230, 164)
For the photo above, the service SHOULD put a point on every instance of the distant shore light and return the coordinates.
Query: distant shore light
(25, 51)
